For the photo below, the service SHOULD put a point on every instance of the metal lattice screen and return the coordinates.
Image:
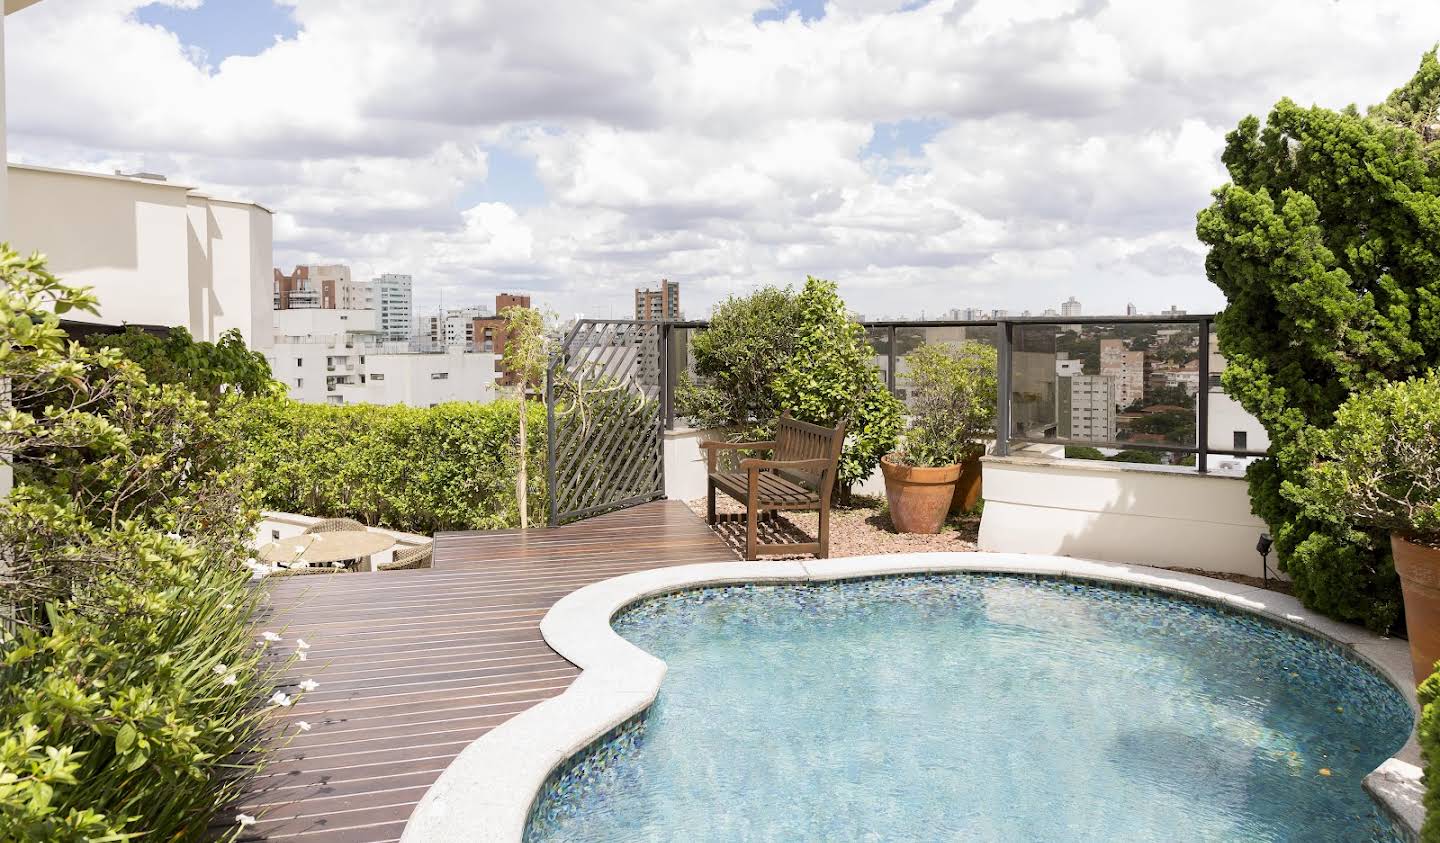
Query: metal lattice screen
(603, 401)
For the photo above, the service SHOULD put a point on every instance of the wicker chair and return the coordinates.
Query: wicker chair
(336, 525)
(410, 557)
(306, 571)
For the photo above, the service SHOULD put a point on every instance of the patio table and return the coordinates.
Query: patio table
(324, 548)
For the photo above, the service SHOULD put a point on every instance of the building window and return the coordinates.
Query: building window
(299, 361)
(1241, 440)
(439, 376)
(377, 377)
(362, 359)
(299, 381)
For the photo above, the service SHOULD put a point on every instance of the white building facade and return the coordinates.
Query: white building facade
(1126, 367)
(341, 357)
(155, 252)
(454, 328)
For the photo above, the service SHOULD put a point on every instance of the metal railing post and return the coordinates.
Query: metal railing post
(550, 440)
(891, 357)
(1202, 402)
(662, 339)
(1002, 398)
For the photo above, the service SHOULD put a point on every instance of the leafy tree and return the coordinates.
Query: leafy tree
(1082, 452)
(1174, 425)
(207, 369)
(737, 358)
(953, 388)
(1326, 244)
(526, 353)
(829, 377)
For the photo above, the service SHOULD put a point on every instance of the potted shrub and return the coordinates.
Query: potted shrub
(1379, 467)
(952, 406)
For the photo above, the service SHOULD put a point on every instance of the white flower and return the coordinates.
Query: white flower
(303, 726)
(309, 685)
(302, 655)
(220, 668)
(229, 606)
(281, 699)
(300, 644)
(245, 820)
(229, 680)
(269, 636)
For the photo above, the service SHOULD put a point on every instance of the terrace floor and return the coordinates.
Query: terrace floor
(414, 665)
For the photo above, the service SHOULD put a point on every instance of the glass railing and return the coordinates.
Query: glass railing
(1121, 389)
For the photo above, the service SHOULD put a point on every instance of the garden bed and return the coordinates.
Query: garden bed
(861, 529)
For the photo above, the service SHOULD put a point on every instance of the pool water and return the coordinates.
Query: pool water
(979, 707)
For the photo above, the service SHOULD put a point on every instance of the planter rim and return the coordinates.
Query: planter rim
(888, 461)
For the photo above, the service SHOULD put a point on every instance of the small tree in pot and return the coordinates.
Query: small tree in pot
(1379, 466)
(937, 469)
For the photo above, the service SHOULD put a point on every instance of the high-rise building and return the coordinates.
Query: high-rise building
(1131, 310)
(658, 305)
(1172, 312)
(1070, 307)
(392, 295)
(1126, 367)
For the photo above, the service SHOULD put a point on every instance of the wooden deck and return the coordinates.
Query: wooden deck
(414, 665)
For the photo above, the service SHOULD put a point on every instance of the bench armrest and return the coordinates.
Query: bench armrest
(712, 448)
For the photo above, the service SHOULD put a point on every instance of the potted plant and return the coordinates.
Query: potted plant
(952, 406)
(1379, 467)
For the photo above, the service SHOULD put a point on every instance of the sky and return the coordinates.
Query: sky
(924, 155)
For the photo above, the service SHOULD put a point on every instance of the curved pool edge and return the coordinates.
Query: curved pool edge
(487, 792)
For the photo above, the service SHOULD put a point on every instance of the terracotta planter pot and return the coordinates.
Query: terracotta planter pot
(967, 490)
(920, 497)
(1419, 570)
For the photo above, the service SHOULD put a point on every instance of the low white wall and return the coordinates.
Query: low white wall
(1120, 512)
(274, 526)
(685, 462)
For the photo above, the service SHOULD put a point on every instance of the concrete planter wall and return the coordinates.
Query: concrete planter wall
(1121, 512)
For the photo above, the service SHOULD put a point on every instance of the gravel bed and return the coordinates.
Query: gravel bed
(861, 529)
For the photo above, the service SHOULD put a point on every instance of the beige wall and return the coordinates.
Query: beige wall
(1116, 512)
(156, 253)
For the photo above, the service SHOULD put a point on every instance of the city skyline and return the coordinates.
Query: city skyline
(933, 155)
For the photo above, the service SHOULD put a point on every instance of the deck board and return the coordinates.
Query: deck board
(415, 665)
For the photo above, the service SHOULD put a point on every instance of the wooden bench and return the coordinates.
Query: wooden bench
(799, 476)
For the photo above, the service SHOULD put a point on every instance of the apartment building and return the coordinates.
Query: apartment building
(327, 286)
(491, 332)
(454, 328)
(336, 356)
(1126, 367)
(658, 305)
(1070, 307)
(1085, 406)
(392, 296)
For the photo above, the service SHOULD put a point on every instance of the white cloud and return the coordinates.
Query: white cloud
(1076, 140)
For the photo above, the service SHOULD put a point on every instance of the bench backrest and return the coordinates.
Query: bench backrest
(798, 440)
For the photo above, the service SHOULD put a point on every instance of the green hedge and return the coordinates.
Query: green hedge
(1429, 731)
(449, 467)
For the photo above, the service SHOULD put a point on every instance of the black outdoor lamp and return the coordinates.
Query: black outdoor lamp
(1262, 547)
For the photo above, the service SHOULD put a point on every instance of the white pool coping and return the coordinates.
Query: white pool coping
(486, 794)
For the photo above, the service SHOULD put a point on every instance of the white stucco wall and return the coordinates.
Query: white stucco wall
(1226, 418)
(156, 253)
(1119, 512)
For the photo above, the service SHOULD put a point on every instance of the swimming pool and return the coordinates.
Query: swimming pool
(979, 706)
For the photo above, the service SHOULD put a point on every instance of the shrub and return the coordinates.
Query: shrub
(450, 467)
(829, 378)
(205, 368)
(748, 344)
(1146, 457)
(953, 389)
(1428, 730)
(130, 685)
(1323, 246)
(1379, 465)
(1082, 452)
